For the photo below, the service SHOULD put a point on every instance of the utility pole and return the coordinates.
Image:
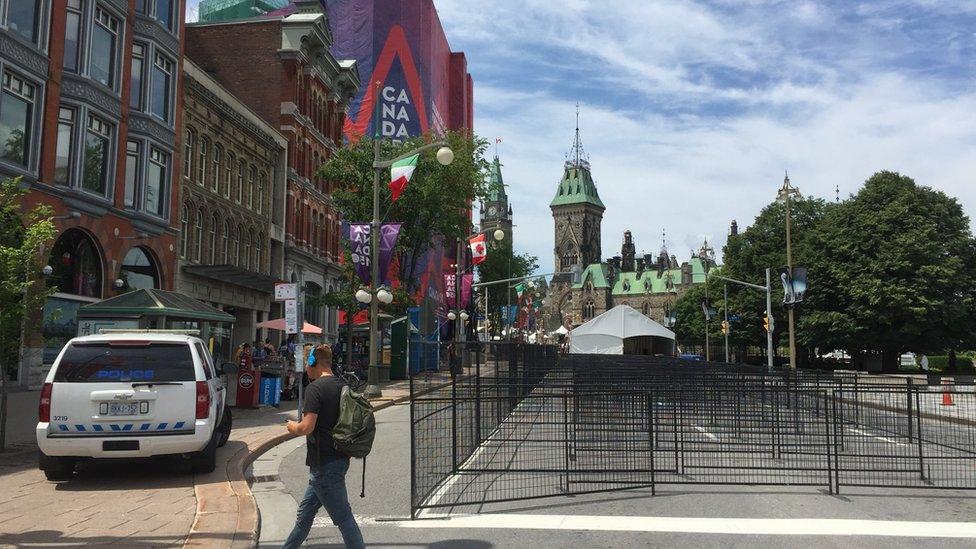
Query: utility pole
(769, 316)
(728, 328)
(786, 192)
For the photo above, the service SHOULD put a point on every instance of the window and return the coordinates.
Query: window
(164, 13)
(225, 244)
(198, 236)
(156, 182)
(236, 246)
(202, 162)
(16, 119)
(95, 174)
(261, 190)
(184, 229)
(104, 39)
(214, 223)
(23, 17)
(239, 191)
(72, 36)
(162, 73)
(137, 71)
(62, 155)
(228, 175)
(142, 6)
(588, 309)
(132, 163)
(188, 146)
(139, 270)
(252, 175)
(259, 253)
(246, 260)
(217, 159)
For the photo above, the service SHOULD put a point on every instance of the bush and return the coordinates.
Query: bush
(940, 363)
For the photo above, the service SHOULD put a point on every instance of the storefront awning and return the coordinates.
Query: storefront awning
(234, 275)
(153, 302)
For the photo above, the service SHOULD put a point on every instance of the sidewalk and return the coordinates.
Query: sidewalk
(136, 503)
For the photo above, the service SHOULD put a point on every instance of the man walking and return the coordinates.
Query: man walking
(327, 466)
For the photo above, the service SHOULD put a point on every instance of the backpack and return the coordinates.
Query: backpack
(355, 428)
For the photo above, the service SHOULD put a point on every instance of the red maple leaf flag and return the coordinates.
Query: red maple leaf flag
(479, 250)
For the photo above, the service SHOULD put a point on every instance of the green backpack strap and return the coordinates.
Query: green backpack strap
(362, 490)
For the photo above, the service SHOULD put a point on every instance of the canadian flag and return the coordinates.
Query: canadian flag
(479, 251)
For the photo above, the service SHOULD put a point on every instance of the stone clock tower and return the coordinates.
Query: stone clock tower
(496, 212)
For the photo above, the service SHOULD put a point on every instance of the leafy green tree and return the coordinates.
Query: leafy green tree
(501, 264)
(689, 327)
(435, 204)
(763, 244)
(24, 237)
(896, 271)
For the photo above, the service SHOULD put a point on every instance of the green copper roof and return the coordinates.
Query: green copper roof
(654, 284)
(154, 302)
(496, 186)
(595, 272)
(577, 187)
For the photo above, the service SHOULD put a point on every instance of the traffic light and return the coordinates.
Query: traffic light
(725, 327)
(765, 321)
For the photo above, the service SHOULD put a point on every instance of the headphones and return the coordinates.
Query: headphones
(311, 358)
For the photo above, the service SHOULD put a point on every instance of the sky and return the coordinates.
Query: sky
(692, 111)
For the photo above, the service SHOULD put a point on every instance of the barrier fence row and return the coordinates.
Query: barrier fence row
(520, 422)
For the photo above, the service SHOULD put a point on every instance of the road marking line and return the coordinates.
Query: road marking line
(740, 526)
(883, 439)
(708, 435)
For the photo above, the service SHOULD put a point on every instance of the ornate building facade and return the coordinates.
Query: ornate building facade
(283, 69)
(496, 211)
(90, 120)
(231, 246)
(651, 284)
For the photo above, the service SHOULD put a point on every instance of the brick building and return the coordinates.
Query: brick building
(89, 117)
(231, 247)
(283, 69)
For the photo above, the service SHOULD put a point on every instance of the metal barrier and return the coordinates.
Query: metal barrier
(521, 422)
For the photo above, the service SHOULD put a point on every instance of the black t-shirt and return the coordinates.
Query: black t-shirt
(322, 398)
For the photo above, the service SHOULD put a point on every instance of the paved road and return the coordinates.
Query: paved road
(677, 516)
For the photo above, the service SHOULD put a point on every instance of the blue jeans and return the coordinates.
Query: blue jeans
(327, 488)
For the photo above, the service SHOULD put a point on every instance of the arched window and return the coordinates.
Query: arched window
(646, 309)
(77, 265)
(139, 270)
(225, 244)
(261, 190)
(229, 175)
(259, 253)
(235, 246)
(189, 142)
(198, 236)
(588, 309)
(214, 224)
(239, 190)
(246, 257)
(184, 229)
(217, 159)
(314, 237)
(203, 165)
(299, 233)
(251, 179)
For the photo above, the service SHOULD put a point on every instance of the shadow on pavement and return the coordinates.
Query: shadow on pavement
(48, 538)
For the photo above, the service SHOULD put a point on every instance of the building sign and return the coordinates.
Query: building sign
(291, 316)
(286, 290)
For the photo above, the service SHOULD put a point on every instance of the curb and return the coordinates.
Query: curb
(227, 513)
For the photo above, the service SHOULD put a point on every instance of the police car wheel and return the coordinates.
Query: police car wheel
(223, 434)
(58, 468)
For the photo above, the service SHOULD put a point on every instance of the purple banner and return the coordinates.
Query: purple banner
(450, 294)
(359, 244)
(466, 280)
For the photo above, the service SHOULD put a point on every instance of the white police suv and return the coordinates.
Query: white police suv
(124, 395)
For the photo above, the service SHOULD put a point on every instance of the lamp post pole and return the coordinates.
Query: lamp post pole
(786, 192)
(725, 304)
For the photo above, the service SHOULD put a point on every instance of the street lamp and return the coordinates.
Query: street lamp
(444, 156)
(785, 194)
(464, 316)
(499, 235)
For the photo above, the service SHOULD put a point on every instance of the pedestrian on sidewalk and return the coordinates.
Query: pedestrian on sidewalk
(327, 466)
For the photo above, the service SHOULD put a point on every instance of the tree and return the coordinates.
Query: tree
(24, 237)
(500, 264)
(689, 326)
(896, 268)
(763, 244)
(435, 204)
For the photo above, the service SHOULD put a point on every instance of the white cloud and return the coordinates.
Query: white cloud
(831, 114)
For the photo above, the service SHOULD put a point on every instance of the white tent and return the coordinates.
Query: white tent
(622, 330)
(560, 331)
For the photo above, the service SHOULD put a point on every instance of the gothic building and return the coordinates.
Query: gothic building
(651, 284)
(496, 211)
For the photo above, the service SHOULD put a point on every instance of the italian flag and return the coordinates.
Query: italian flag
(479, 252)
(400, 173)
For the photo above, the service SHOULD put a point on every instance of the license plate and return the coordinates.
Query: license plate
(123, 408)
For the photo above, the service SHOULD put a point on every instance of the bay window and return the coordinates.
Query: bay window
(24, 18)
(136, 71)
(156, 182)
(98, 138)
(133, 162)
(65, 147)
(72, 36)
(17, 119)
(104, 44)
(161, 83)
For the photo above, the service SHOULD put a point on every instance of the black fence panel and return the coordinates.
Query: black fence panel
(520, 421)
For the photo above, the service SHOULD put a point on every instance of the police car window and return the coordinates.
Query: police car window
(208, 367)
(131, 362)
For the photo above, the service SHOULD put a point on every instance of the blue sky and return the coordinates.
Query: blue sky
(692, 110)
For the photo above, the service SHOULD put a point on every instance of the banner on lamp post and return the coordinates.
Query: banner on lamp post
(450, 294)
(358, 235)
(467, 280)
